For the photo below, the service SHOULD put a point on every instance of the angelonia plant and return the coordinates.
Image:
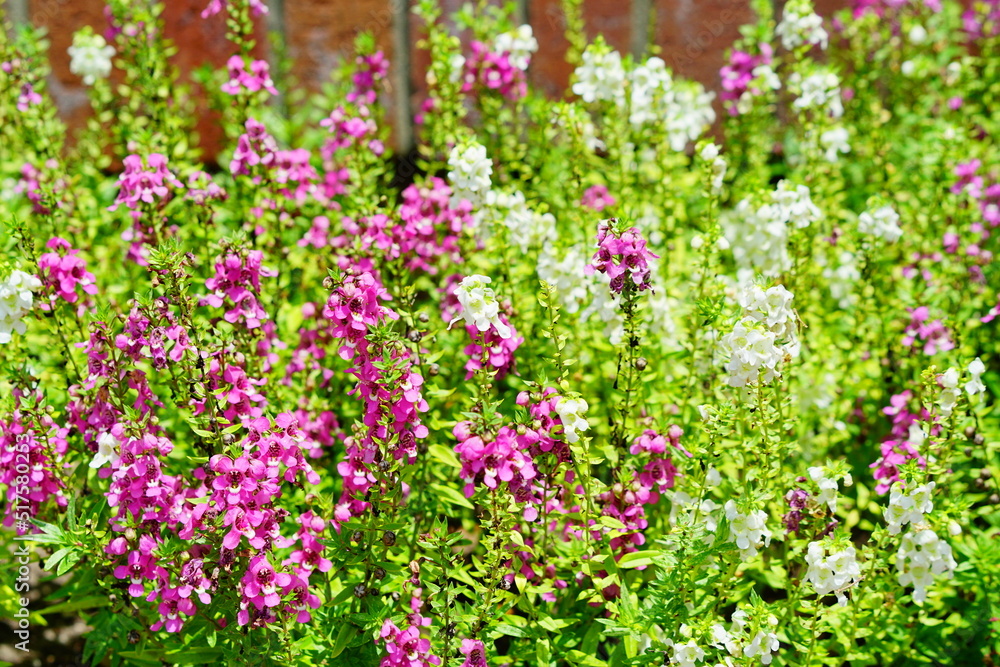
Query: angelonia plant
(637, 375)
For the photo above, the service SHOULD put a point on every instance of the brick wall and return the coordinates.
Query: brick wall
(692, 35)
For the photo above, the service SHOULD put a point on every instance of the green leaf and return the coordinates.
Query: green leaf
(452, 495)
(638, 559)
(189, 656)
(347, 632)
(510, 630)
(543, 652)
(445, 455)
(54, 559)
(89, 602)
(68, 562)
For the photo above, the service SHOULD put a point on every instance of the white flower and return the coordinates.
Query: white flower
(827, 486)
(520, 43)
(456, 67)
(710, 154)
(975, 384)
(759, 236)
(917, 34)
(820, 90)
(748, 531)
(834, 573)
(795, 204)
(908, 508)
(528, 228)
(687, 654)
(90, 56)
(834, 142)
(799, 26)
(842, 279)
(754, 355)
(600, 76)
(108, 450)
(571, 411)
(922, 554)
(881, 223)
(470, 173)
(16, 298)
(480, 307)
(763, 644)
(949, 391)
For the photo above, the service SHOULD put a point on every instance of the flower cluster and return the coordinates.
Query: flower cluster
(254, 147)
(90, 56)
(717, 164)
(759, 235)
(528, 228)
(921, 556)
(572, 413)
(819, 91)
(681, 110)
(903, 442)
(144, 183)
(406, 648)
(470, 174)
(16, 298)
(236, 285)
(490, 349)
(762, 338)
(933, 334)
(62, 271)
(624, 257)
(256, 79)
(490, 460)
(801, 26)
(748, 530)
(500, 66)
(30, 451)
(747, 76)
(371, 70)
(600, 77)
(746, 638)
(832, 571)
(480, 308)
(909, 507)
(835, 141)
(597, 198)
(882, 223)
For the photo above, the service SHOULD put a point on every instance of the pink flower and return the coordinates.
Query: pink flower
(474, 652)
(62, 271)
(622, 256)
(144, 184)
(261, 583)
(493, 71)
(597, 198)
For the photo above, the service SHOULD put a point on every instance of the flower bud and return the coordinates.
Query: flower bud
(388, 538)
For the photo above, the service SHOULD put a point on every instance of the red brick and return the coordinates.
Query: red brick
(199, 42)
(320, 35)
